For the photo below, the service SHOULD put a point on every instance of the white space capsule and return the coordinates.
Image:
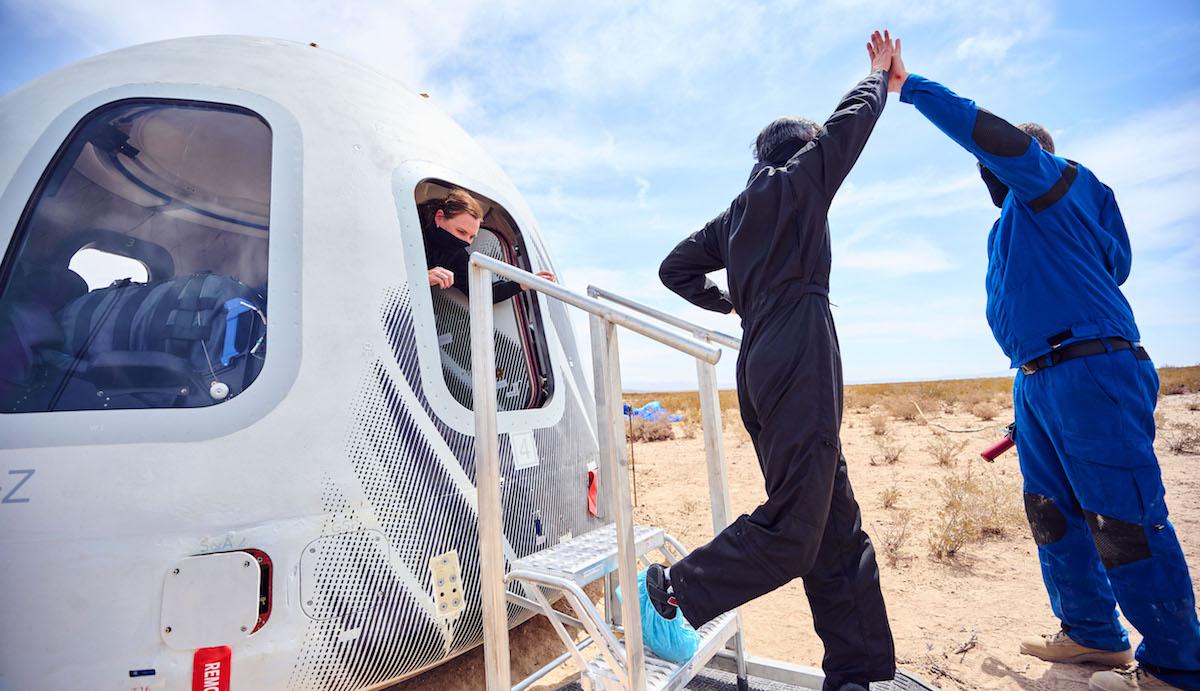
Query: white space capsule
(234, 418)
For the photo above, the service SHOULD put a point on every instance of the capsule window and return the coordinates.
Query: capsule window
(523, 374)
(137, 274)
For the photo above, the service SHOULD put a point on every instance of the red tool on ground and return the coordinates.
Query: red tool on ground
(992, 452)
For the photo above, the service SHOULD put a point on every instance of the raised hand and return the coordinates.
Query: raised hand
(897, 75)
(880, 48)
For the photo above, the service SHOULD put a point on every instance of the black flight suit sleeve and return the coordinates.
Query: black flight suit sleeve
(684, 269)
(501, 290)
(831, 156)
(1012, 155)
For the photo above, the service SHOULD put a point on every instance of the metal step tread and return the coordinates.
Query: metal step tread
(590, 556)
(662, 675)
(716, 680)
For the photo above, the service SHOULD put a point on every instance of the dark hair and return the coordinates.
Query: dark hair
(784, 137)
(1039, 133)
(460, 202)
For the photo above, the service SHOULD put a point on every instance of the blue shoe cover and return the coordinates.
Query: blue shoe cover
(670, 639)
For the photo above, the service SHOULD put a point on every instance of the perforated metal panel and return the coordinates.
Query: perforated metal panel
(379, 618)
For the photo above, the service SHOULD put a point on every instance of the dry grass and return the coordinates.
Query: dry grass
(961, 393)
(1183, 438)
(648, 430)
(686, 403)
(894, 536)
(945, 449)
(976, 504)
(689, 429)
(902, 408)
(1178, 380)
(958, 390)
(879, 424)
(889, 451)
(735, 429)
(985, 411)
(889, 497)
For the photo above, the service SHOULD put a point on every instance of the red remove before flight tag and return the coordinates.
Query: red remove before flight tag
(211, 667)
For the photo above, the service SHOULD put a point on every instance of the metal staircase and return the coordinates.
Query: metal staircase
(614, 552)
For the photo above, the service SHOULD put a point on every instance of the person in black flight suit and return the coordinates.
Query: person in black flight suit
(774, 242)
(449, 226)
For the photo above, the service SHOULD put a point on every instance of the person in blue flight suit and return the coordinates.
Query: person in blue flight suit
(773, 240)
(1084, 397)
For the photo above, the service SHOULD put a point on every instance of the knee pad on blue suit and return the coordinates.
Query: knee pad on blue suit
(1118, 542)
(1046, 520)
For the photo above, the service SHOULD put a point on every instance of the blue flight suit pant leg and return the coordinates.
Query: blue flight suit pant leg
(1095, 501)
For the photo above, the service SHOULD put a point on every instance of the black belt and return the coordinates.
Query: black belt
(789, 291)
(1083, 349)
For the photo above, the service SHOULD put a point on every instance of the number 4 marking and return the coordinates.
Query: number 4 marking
(9, 498)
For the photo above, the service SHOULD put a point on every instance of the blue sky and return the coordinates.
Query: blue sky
(627, 126)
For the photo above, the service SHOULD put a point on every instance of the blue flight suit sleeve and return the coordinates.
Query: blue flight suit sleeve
(1117, 255)
(831, 156)
(684, 269)
(1012, 155)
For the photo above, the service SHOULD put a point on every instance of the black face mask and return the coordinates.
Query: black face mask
(443, 240)
(997, 189)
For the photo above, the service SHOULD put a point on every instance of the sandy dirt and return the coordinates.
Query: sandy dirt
(957, 620)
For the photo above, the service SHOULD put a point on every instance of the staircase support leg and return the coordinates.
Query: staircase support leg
(615, 473)
(487, 483)
(718, 480)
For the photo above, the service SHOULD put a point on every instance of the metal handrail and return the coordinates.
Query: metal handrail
(604, 318)
(698, 350)
(701, 332)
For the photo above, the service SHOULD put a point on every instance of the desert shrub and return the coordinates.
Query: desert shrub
(879, 424)
(945, 449)
(894, 536)
(1183, 438)
(985, 410)
(900, 408)
(975, 504)
(889, 497)
(735, 429)
(1193, 406)
(889, 451)
(689, 429)
(649, 430)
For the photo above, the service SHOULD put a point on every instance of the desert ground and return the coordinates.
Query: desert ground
(958, 566)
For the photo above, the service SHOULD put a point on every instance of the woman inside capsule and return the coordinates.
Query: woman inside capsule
(450, 226)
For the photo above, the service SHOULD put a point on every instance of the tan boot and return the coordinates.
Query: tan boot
(1128, 678)
(1059, 647)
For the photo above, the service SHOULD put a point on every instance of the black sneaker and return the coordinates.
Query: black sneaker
(658, 587)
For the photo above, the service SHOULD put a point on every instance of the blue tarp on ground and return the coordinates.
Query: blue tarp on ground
(652, 411)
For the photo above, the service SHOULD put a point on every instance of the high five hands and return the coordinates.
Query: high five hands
(885, 55)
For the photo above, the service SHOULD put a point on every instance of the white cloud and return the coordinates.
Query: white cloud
(643, 190)
(626, 125)
(988, 45)
(1150, 161)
